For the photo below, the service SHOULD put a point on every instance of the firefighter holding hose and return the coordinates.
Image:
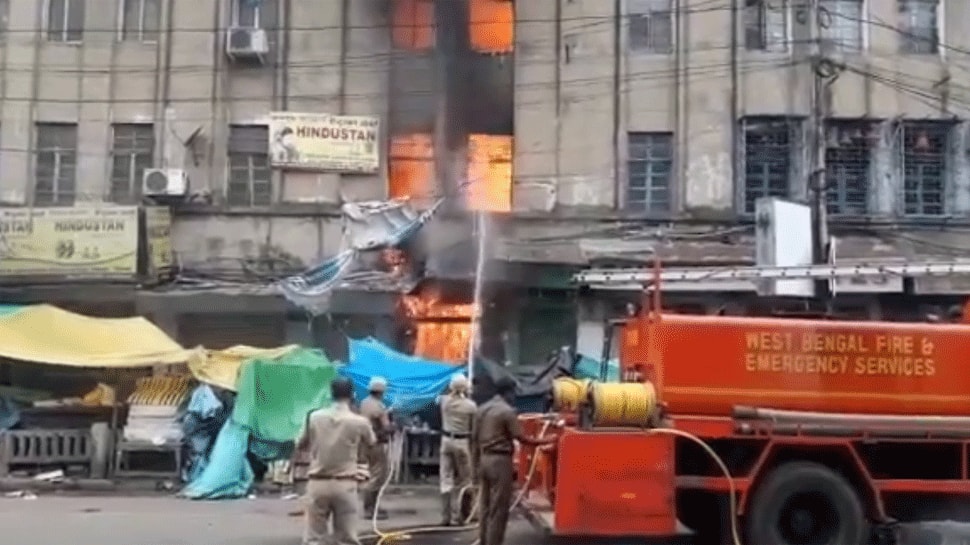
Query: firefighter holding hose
(373, 409)
(496, 428)
(457, 414)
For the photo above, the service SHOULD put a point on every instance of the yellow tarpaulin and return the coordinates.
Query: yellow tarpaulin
(221, 367)
(47, 334)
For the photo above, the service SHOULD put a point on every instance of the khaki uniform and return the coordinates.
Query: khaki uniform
(457, 414)
(493, 445)
(374, 411)
(333, 439)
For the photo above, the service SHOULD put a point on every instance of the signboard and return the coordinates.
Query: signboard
(158, 240)
(337, 143)
(69, 242)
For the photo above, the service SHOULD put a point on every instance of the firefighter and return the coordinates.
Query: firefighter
(373, 409)
(457, 413)
(333, 438)
(496, 428)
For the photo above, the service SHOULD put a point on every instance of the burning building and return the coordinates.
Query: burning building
(451, 111)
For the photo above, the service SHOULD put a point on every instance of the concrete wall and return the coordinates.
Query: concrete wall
(337, 62)
(571, 115)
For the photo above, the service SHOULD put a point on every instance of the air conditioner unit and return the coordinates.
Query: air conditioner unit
(165, 182)
(246, 43)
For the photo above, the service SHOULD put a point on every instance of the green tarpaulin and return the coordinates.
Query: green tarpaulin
(272, 402)
(275, 396)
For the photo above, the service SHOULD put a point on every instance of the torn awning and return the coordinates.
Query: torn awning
(221, 367)
(47, 334)
(367, 226)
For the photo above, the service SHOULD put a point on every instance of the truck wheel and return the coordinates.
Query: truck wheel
(805, 503)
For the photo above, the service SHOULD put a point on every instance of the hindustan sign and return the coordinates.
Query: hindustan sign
(69, 242)
(336, 143)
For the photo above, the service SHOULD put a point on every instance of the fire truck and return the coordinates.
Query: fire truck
(759, 430)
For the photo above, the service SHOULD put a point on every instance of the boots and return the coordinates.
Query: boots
(446, 509)
(370, 502)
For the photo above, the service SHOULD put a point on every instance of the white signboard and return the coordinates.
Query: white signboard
(336, 143)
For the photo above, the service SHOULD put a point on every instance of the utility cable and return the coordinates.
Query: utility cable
(405, 534)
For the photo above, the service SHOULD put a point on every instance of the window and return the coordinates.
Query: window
(489, 173)
(848, 148)
(4, 16)
(650, 164)
(54, 174)
(65, 20)
(254, 14)
(919, 31)
(411, 170)
(841, 24)
(651, 26)
(413, 25)
(141, 20)
(765, 25)
(132, 151)
(924, 167)
(250, 182)
(767, 158)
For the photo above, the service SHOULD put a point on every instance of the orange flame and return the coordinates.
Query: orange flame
(443, 341)
(489, 172)
(442, 330)
(411, 167)
(492, 26)
(413, 24)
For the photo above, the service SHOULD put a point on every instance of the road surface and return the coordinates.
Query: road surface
(171, 521)
(74, 520)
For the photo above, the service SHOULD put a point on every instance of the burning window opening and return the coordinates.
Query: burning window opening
(413, 25)
(412, 172)
(442, 330)
(395, 260)
(492, 26)
(489, 173)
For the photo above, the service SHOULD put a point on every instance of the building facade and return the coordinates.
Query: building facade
(592, 131)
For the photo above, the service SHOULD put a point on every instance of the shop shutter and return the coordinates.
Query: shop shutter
(544, 330)
(217, 331)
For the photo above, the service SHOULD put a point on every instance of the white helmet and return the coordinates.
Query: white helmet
(377, 384)
(459, 382)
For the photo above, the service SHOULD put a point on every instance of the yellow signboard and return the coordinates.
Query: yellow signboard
(74, 242)
(158, 238)
(338, 143)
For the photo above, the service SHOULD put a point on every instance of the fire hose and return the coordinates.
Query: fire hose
(634, 404)
(613, 404)
(404, 534)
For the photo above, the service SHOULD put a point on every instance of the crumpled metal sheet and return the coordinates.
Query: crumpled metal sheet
(375, 224)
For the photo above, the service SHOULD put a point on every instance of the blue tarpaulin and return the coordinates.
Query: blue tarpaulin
(587, 367)
(413, 383)
(9, 309)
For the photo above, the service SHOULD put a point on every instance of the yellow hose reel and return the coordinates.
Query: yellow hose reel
(611, 404)
(569, 394)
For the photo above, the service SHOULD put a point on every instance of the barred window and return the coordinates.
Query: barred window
(651, 26)
(842, 24)
(766, 25)
(132, 151)
(767, 158)
(250, 179)
(848, 151)
(65, 20)
(649, 170)
(924, 167)
(56, 164)
(919, 27)
(141, 20)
